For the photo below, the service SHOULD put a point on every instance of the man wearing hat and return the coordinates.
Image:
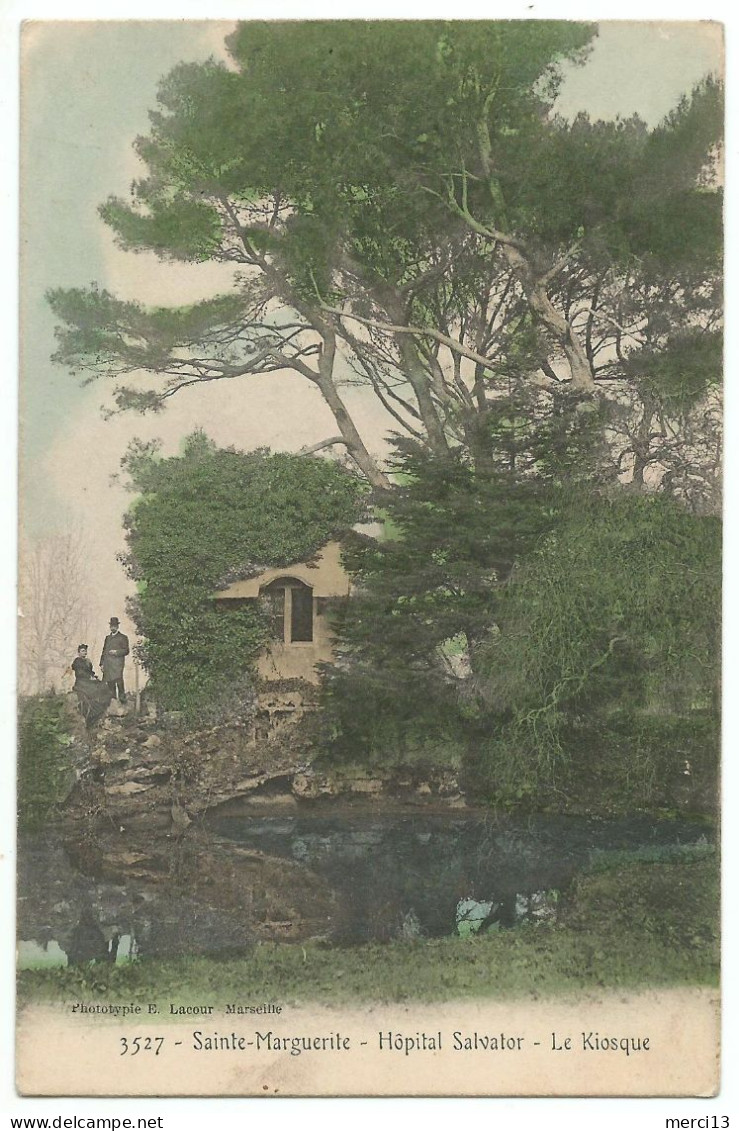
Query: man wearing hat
(113, 658)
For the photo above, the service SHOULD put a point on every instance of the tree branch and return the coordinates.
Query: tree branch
(311, 448)
(413, 331)
(464, 213)
(558, 266)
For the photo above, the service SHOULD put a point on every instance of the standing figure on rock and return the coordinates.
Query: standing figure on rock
(113, 659)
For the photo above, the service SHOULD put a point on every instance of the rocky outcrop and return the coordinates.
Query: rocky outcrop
(151, 773)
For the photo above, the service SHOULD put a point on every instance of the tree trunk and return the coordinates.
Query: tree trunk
(354, 443)
(477, 438)
(546, 312)
(534, 288)
(419, 379)
(640, 444)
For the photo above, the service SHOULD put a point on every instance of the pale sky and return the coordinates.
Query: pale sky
(87, 89)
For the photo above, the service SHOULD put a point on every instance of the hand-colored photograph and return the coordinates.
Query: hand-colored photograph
(370, 558)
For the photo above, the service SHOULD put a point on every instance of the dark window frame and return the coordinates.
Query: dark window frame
(298, 613)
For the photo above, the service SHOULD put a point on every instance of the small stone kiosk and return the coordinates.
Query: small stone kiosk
(296, 598)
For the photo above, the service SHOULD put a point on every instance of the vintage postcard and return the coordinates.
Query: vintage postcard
(370, 558)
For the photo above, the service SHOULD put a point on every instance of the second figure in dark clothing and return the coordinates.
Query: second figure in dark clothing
(93, 696)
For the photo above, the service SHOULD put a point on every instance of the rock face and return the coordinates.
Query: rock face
(150, 773)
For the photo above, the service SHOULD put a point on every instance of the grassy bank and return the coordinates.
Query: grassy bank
(625, 924)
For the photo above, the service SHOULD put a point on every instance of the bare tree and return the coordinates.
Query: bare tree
(53, 609)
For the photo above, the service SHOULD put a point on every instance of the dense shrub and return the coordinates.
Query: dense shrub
(601, 671)
(427, 594)
(559, 637)
(44, 770)
(201, 519)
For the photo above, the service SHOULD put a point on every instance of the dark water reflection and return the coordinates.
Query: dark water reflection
(341, 876)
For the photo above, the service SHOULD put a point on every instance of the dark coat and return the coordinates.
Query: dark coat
(82, 669)
(113, 656)
(94, 696)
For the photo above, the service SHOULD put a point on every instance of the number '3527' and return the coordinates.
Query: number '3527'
(132, 1046)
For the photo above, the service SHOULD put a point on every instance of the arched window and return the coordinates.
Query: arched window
(290, 604)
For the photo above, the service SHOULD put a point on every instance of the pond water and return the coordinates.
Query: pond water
(341, 876)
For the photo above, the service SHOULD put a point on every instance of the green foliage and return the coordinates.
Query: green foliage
(44, 770)
(679, 374)
(200, 518)
(628, 192)
(332, 117)
(370, 112)
(102, 330)
(414, 172)
(601, 671)
(672, 904)
(183, 229)
(565, 636)
(428, 595)
(374, 166)
(359, 125)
